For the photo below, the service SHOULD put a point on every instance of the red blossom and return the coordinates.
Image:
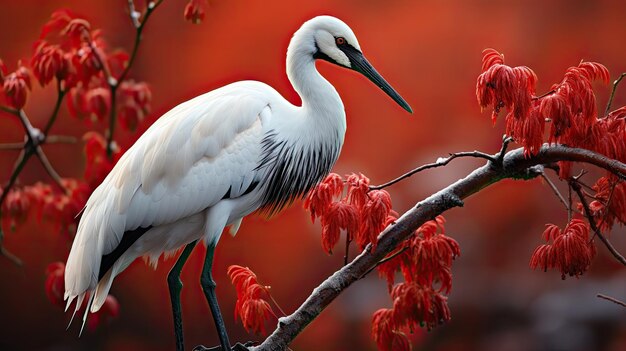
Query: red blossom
(319, 199)
(134, 103)
(78, 30)
(98, 164)
(195, 11)
(570, 251)
(48, 62)
(339, 216)
(609, 202)
(98, 102)
(414, 305)
(386, 336)
(15, 208)
(16, 86)
(253, 310)
(85, 63)
(55, 284)
(58, 21)
(374, 215)
(57, 206)
(358, 186)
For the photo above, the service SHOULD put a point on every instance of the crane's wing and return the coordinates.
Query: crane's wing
(192, 157)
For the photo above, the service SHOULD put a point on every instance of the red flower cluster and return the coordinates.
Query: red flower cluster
(15, 85)
(49, 202)
(82, 63)
(15, 208)
(570, 106)
(384, 333)
(570, 252)
(55, 288)
(425, 261)
(194, 11)
(253, 310)
(98, 164)
(609, 204)
(361, 213)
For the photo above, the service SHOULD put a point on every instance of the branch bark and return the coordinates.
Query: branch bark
(513, 166)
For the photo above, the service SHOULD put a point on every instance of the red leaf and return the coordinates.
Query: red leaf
(570, 251)
(194, 11)
(339, 216)
(374, 215)
(383, 332)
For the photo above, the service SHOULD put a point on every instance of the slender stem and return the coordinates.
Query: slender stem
(569, 202)
(556, 191)
(113, 82)
(612, 299)
(276, 304)
(12, 146)
(6, 253)
(592, 223)
(48, 167)
(615, 84)
(347, 253)
(61, 139)
(55, 111)
(9, 110)
(439, 163)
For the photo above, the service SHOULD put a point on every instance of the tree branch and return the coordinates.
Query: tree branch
(514, 165)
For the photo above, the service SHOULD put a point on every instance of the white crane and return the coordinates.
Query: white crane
(211, 161)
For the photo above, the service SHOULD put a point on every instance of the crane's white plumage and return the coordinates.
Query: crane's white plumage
(214, 159)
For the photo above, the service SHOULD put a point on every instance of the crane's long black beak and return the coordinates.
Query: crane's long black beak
(360, 64)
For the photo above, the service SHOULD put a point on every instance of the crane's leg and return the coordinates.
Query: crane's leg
(176, 285)
(208, 286)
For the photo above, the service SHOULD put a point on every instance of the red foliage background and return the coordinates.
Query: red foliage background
(430, 51)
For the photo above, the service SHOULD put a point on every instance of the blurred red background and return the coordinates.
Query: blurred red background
(430, 52)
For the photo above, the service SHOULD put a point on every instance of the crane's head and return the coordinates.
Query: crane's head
(335, 42)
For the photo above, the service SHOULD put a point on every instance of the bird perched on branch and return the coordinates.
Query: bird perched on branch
(211, 161)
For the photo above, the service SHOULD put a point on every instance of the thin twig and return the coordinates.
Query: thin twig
(439, 163)
(345, 256)
(277, 305)
(592, 223)
(9, 110)
(10, 256)
(12, 146)
(569, 201)
(55, 111)
(113, 82)
(615, 84)
(612, 299)
(61, 139)
(48, 167)
(556, 191)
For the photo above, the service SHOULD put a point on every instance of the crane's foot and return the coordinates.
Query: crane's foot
(237, 347)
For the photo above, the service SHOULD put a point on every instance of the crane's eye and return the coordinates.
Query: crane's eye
(340, 41)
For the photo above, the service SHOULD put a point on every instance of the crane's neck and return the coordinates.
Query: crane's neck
(320, 101)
